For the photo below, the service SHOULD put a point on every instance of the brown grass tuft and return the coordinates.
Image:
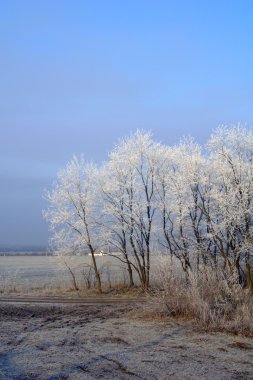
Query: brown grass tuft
(215, 303)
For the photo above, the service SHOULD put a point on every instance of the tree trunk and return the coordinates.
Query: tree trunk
(249, 281)
(130, 274)
(97, 274)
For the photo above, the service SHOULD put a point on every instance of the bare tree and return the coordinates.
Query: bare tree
(72, 212)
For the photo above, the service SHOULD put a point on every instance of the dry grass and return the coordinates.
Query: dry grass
(213, 302)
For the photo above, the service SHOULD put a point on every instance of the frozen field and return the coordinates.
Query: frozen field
(111, 342)
(29, 273)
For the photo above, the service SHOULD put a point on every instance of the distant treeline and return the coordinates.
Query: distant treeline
(31, 250)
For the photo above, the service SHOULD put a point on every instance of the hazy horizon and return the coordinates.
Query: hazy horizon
(75, 78)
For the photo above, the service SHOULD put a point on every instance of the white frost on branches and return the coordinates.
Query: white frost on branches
(193, 203)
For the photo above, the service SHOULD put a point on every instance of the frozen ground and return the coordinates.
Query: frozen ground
(47, 275)
(27, 274)
(111, 342)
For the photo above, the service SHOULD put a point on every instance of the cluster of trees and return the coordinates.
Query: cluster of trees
(186, 201)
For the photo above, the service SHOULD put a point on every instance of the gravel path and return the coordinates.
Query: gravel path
(104, 341)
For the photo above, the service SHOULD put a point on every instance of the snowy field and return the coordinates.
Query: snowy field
(28, 273)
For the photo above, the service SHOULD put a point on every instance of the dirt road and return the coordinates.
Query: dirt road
(80, 301)
(111, 341)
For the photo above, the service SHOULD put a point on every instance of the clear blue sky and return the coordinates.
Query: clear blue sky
(76, 75)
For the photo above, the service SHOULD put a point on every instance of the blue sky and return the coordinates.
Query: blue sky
(77, 75)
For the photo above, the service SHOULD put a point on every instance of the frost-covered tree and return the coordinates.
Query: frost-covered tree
(130, 200)
(114, 192)
(177, 184)
(231, 160)
(195, 204)
(206, 202)
(73, 205)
